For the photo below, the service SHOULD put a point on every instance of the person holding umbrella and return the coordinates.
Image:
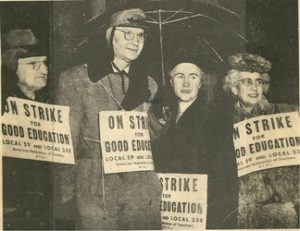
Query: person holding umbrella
(267, 198)
(117, 201)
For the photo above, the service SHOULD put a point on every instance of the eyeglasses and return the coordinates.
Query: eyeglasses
(36, 65)
(249, 82)
(130, 35)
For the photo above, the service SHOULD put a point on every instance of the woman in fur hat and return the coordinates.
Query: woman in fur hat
(116, 201)
(267, 198)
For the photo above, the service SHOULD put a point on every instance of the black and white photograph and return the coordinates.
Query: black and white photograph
(150, 114)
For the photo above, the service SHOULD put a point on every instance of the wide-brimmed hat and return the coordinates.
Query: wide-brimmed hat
(20, 43)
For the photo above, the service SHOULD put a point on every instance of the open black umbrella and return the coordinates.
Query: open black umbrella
(213, 30)
(192, 25)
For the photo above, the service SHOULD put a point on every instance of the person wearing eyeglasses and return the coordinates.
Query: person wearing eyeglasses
(27, 185)
(110, 82)
(245, 81)
(25, 70)
(268, 198)
(32, 74)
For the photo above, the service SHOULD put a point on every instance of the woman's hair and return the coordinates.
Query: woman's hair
(204, 76)
(230, 80)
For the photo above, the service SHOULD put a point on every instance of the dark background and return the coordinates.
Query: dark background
(270, 27)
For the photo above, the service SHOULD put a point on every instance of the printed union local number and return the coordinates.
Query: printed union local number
(52, 148)
(15, 143)
(185, 219)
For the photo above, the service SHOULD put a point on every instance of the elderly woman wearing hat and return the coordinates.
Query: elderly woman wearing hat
(25, 72)
(112, 201)
(245, 81)
(257, 209)
(27, 191)
(192, 137)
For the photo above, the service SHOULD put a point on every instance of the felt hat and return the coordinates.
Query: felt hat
(185, 55)
(20, 43)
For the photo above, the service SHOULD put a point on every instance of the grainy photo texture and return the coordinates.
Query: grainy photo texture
(150, 114)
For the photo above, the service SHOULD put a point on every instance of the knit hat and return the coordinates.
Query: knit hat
(20, 43)
(127, 18)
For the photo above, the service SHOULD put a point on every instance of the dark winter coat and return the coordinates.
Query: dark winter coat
(27, 184)
(200, 143)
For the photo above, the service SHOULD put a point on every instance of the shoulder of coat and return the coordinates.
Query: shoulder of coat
(283, 107)
(153, 87)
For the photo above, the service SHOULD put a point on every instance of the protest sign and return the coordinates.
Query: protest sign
(36, 131)
(125, 141)
(267, 142)
(184, 201)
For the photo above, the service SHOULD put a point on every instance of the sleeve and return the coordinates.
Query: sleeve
(68, 95)
(155, 127)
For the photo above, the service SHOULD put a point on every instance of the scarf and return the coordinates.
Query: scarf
(138, 92)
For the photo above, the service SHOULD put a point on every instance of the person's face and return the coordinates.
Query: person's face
(128, 43)
(249, 88)
(186, 81)
(32, 72)
(266, 83)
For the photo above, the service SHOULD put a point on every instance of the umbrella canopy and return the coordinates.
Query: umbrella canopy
(213, 30)
(196, 30)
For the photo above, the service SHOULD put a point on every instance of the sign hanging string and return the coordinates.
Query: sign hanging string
(111, 95)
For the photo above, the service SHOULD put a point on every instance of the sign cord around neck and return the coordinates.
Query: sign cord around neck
(98, 141)
(108, 91)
